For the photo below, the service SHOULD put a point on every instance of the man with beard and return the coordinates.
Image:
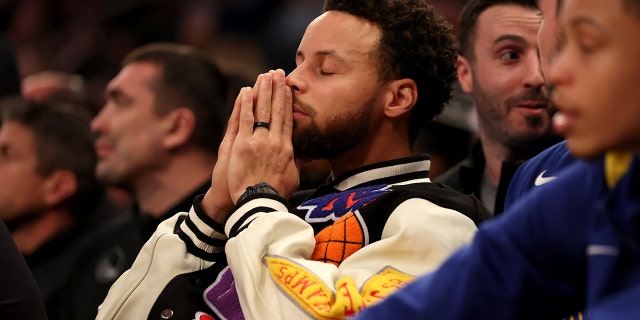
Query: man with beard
(368, 74)
(499, 67)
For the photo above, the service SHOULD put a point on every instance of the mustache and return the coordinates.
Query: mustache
(304, 107)
(528, 96)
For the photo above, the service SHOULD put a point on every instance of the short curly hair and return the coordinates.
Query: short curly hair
(416, 43)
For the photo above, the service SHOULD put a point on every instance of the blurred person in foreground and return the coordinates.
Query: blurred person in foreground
(571, 245)
(499, 67)
(368, 74)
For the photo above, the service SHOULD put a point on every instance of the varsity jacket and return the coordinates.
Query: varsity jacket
(352, 243)
(568, 246)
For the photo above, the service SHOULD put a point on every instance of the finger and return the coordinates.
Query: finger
(246, 113)
(287, 124)
(262, 112)
(256, 86)
(232, 125)
(278, 102)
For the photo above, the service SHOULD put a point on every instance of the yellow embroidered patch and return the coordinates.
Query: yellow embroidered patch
(317, 299)
(383, 284)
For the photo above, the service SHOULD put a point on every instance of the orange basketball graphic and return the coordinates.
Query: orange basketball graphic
(339, 240)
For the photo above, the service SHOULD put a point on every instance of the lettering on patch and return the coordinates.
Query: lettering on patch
(383, 284)
(312, 295)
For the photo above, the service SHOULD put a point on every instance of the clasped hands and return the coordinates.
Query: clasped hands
(256, 146)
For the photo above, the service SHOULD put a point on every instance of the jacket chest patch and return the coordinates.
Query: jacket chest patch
(338, 241)
(336, 205)
(222, 297)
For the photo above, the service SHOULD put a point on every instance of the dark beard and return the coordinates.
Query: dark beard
(496, 121)
(340, 135)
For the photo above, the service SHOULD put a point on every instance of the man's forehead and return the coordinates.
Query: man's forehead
(501, 18)
(13, 130)
(134, 74)
(512, 16)
(340, 34)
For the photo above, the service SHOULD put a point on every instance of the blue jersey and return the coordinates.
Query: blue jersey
(537, 171)
(569, 246)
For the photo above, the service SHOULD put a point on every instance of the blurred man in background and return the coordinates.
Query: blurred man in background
(157, 136)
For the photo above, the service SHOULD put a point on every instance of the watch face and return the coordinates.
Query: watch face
(264, 187)
(261, 187)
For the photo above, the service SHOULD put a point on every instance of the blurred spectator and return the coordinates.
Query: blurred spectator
(20, 297)
(42, 85)
(48, 188)
(66, 87)
(157, 138)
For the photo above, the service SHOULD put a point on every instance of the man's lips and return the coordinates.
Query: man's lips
(103, 148)
(533, 108)
(297, 109)
(532, 105)
(298, 113)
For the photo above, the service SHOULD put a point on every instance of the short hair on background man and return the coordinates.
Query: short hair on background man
(189, 79)
(63, 141)
(468, 22)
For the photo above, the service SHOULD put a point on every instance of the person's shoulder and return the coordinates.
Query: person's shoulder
(444, 196)
(550, 160)
(539, 170)
(466, 175)
(578, 180)
(122, 232)
(456, 176)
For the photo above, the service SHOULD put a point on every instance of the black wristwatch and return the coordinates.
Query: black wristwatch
(260, 187)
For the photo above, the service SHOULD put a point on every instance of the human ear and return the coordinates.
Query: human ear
(465, 74)
(179, 127)
(59, 186)
(404, 95)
